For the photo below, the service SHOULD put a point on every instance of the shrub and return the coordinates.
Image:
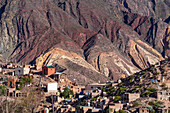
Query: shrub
(156, 105)
(131, 78)
(134, 91)
(67, 92)
(137, 86)
(163, 85)
(146, 94)
(18, 88)
(93, 99)
(121, 90)
(152, 89)
(135, 104)
(95, 90)
(2, 90)
(122, 111)
(165, 88)
(116, 99)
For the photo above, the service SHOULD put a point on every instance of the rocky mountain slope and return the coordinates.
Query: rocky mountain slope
(93, 38)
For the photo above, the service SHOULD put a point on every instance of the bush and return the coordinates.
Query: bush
(2, 90)
(116, 99)
(131, 78)
(152, 89)
(134, 91)
(121, 90)
(95, 90)
(122, 111)
(93, 99)
(137, 86)
(18, 88)
(146, 94)
(135, 104)
(156, 105)
(165, 88)
(67, 92)
(163, 85)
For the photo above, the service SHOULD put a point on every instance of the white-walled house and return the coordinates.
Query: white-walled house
(52, 87)
(0, 69)
(22, 71)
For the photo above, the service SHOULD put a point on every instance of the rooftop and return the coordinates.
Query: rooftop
(50, 67)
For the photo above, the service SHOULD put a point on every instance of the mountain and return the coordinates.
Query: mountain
(93, 39)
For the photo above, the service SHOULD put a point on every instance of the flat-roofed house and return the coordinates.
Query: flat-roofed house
(129, 97)
(52, 87)
(115, 107)
(48, 70)
(93, 86)
(163, 95)
(11, 82)
(22, 71)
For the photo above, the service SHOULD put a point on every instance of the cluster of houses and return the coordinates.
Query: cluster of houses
(84, 99)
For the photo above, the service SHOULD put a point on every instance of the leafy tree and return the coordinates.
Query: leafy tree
(156, 105)
(135, 104)
(93, 99)
(122, 111)
(131, 78)
(146, 94)
(25, 80)
(121, 90)
(163, 85)
(116, 99)
(67, 92)
(2, 90)
(152, 89)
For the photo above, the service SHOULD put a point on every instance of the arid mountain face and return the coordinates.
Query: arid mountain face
(93, 39)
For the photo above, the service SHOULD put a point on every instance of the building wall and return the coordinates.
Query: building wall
(115, 107)
(52, 87)
(129, 97)
(92, 87)
(26, 70)
(22, 71)
(47, 71)
(0, 69)
(163, 95)
(143, 110)
(11, 82)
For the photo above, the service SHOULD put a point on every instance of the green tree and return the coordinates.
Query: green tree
(135, 104)
(93, 99)
(116, 99)
(152, 89)
(156, 105)
(163, 85)
(67, 92)
(122, 111)
(2, 90)
(121, 91)
(25, 80)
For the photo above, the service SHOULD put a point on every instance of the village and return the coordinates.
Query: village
(47, 90)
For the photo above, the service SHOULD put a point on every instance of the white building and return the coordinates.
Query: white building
(22, 71)
(0, 69)
(52, 87)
